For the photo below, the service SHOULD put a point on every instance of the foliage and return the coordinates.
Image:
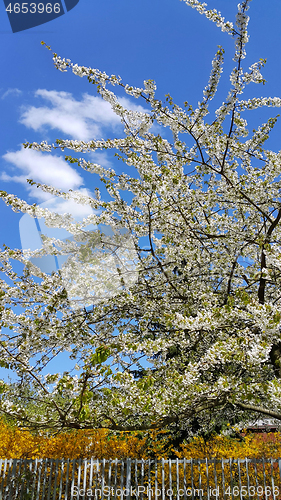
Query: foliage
(194, 338)
(19, 443)
(103, 444)
(251, 445)
(249, 476)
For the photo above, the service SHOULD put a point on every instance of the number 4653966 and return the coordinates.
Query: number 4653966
(252, 491)
(24, 8)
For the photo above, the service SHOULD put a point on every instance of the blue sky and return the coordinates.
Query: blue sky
(162, 40)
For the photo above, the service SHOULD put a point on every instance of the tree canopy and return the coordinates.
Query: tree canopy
(191, 335)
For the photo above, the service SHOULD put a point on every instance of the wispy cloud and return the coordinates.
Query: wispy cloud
(61, 206)
(51, 170)
(43, 168)
(11, 91)
(81, 120)
(101, 158)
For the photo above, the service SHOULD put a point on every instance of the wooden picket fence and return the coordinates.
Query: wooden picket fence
(225, 479)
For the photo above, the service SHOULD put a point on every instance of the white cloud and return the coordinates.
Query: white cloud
(61, 206)
(11, 91)
(37, 194)
(50, 170)
(84, 120)
(132, 105)
(81, 120)
(101, 158)
(43, 168)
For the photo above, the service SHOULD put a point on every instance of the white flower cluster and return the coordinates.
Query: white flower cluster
(210, 91)
(258, 102)
(254, 75)
(174, 312)
(212, 14)
(242, 21)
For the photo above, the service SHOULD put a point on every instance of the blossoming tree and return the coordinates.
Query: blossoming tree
(196, 335)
